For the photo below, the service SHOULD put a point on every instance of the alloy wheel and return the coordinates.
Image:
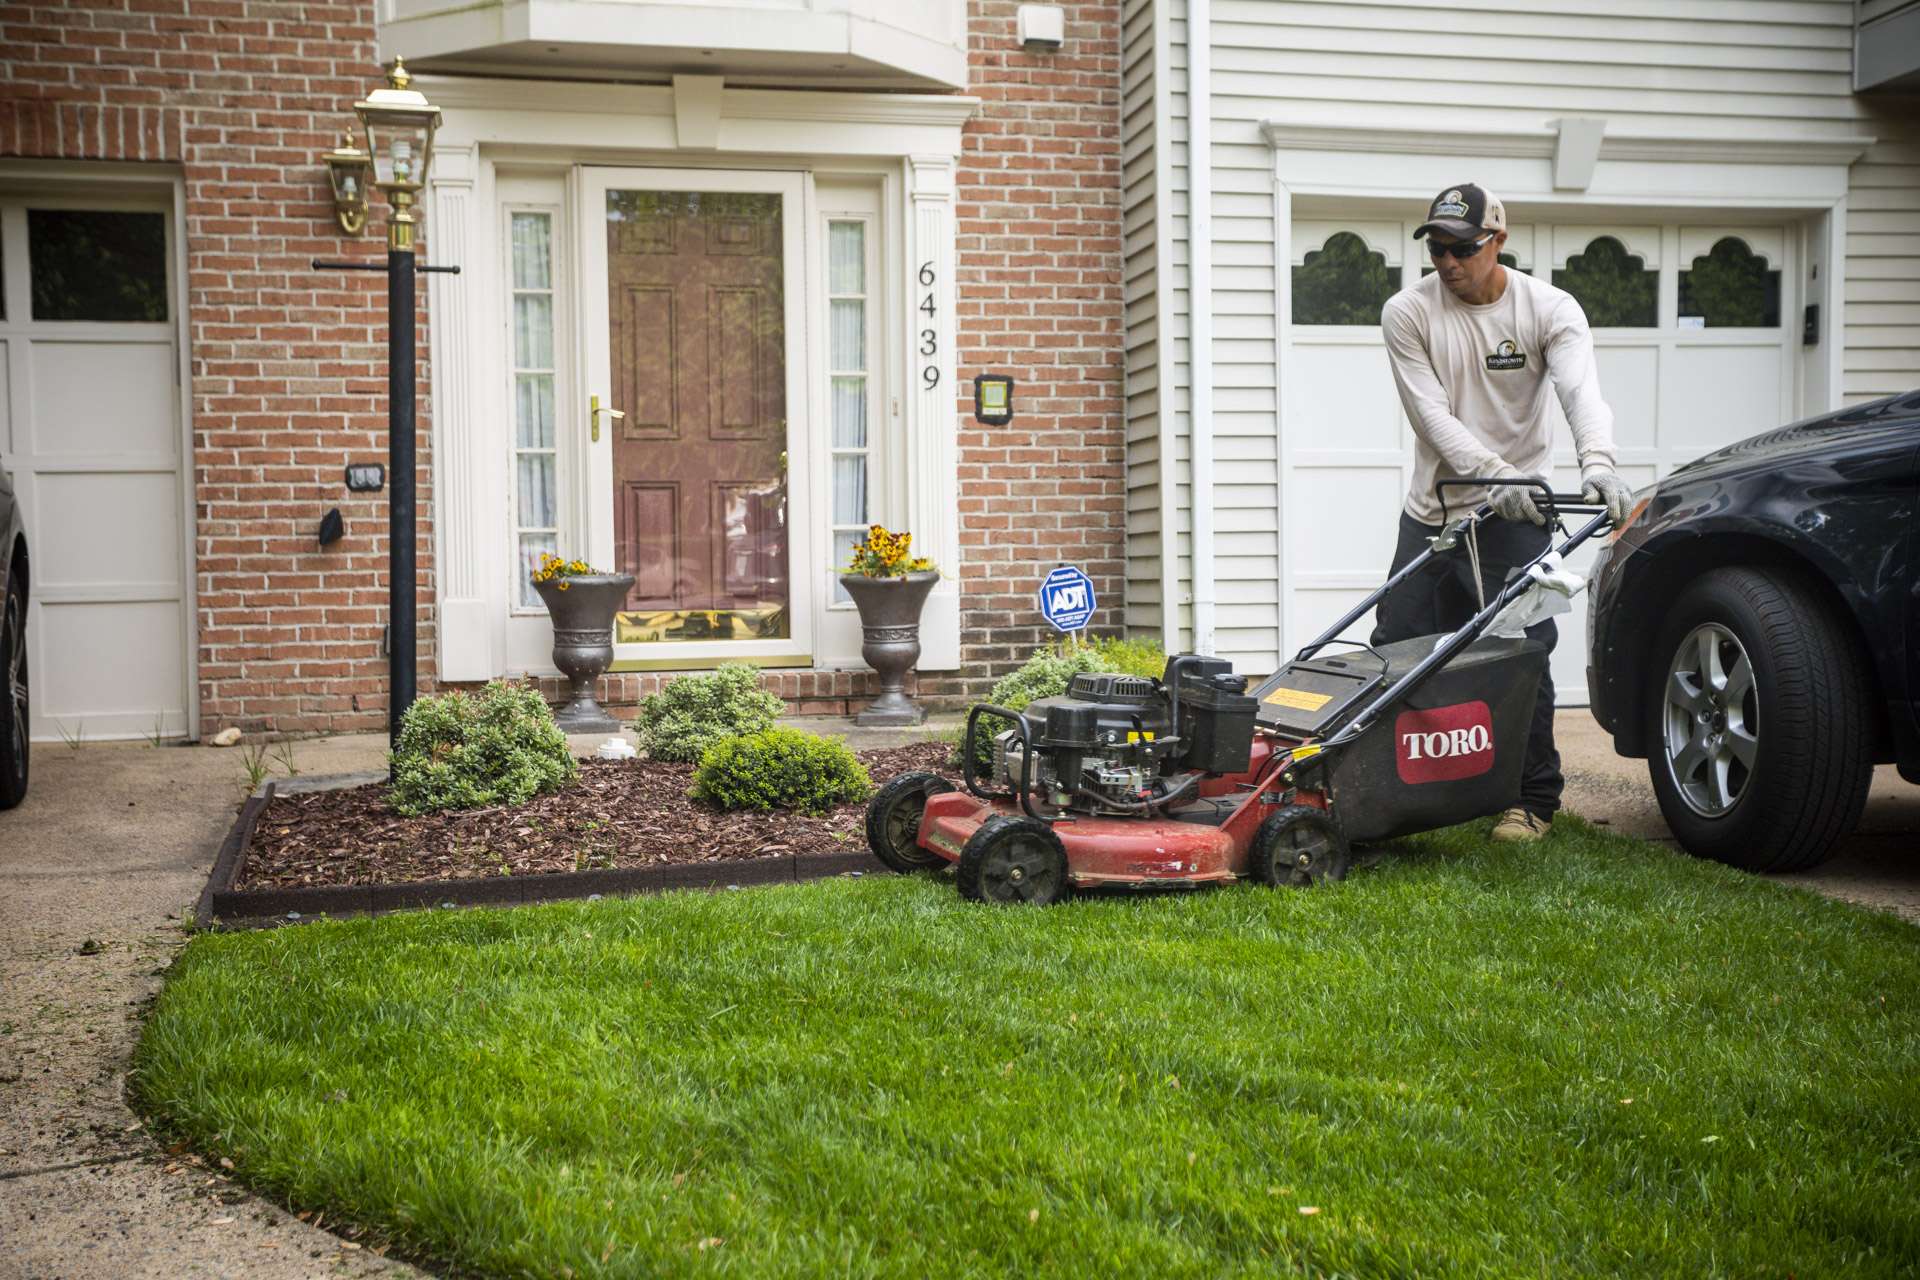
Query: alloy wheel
(1712, 720)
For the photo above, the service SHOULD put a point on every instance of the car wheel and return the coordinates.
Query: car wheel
(1759, 722)
(13, 696)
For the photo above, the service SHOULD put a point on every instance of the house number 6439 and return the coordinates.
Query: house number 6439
(929, 337)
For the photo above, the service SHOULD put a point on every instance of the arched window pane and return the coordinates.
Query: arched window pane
(1613, 286)
(1730, 287)
(1343, 282)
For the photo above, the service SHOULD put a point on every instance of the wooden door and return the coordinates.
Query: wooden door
(696, 316)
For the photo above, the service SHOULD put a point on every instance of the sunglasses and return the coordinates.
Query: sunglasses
(1464, 249)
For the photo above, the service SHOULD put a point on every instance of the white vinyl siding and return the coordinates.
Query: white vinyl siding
(1143, 99)
(1775, 69)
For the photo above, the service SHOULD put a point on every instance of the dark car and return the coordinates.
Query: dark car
(13, 649)
(1755, 634)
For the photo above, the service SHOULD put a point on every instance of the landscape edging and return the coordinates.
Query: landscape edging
(223, 905)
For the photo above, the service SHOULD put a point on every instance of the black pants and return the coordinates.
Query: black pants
(1440, 597)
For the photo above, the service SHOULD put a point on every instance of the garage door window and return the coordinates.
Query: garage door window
(1730, 287)
(1343, 282)
(1614, 287)
(97, 264)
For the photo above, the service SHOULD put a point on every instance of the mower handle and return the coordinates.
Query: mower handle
(1444, 652)
(1552, 502)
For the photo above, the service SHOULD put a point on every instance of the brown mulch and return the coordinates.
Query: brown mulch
(618, 814)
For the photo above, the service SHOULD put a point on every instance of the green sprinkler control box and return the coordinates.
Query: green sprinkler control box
(993, 399)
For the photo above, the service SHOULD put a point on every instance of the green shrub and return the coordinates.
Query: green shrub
(1132, 657)
(780, 769)
(692, 713)
(463, 751)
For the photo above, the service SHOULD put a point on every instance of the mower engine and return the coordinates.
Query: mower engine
(1120, 744)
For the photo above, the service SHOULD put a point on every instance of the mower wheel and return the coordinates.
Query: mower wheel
(1298, 847)
(1014, 860)
(893, 821)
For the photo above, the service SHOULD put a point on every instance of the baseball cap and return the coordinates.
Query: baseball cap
(1465, 211)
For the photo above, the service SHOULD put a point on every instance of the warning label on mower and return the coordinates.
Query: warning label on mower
(1443, 744)
(1299, 699)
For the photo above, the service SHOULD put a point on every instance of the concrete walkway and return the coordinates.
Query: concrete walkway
(108, 855)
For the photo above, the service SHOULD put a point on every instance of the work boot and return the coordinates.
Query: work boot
(1517, 824)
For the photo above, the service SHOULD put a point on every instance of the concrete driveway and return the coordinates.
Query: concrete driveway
(105, 860)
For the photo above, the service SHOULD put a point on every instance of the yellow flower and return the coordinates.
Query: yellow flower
(884, 554)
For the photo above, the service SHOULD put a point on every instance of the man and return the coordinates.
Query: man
(1474, 347)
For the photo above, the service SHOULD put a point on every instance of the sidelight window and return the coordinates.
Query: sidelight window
(536, 506)
(849, 383)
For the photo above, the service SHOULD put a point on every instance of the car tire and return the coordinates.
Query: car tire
(1759, 722)
(15, 723)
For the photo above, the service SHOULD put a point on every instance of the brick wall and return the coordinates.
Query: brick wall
(288, 365)
(1039, 284)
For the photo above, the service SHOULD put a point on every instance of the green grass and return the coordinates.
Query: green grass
(1587, 1057)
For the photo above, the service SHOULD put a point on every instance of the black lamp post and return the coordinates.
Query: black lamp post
(399, 123)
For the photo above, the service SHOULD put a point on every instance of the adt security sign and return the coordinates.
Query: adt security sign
(1066, 598)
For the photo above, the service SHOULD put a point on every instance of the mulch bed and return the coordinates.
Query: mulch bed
(619, 814)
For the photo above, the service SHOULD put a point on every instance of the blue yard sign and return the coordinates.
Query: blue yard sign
(1066, 598)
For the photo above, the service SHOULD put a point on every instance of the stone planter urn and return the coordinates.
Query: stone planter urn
(582, 608)
(890, 626)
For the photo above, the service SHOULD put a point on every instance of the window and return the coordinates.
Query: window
(97, 264)
(536, 508)
(850, 391)
(1730, 287)
(1613, 286)
(1343, 282)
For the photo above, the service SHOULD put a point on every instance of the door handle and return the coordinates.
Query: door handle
(595, 409)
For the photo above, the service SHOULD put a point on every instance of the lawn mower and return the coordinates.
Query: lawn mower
(1193, 779)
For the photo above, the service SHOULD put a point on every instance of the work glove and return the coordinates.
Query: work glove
(1514, 501)
(1607, 487)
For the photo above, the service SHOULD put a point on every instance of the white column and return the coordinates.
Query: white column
(933, 447)
(462, 627)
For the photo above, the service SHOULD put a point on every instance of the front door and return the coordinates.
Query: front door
(694, 340)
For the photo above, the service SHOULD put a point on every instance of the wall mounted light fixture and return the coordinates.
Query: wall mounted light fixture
(350, 170)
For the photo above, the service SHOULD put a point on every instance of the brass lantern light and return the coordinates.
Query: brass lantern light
(349, 169)
(399, 124)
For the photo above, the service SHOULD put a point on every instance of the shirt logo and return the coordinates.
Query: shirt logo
(1449, 205)
(1444, 744)
(1507, 356)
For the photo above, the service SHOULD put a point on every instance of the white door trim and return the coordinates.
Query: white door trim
(910, 143)
(597, 379)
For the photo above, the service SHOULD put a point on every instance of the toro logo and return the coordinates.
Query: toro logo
(1443, 744)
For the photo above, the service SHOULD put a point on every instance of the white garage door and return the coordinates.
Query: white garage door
(1694, 352)
(91, 433)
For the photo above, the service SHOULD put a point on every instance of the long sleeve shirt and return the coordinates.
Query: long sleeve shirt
(1475, 384)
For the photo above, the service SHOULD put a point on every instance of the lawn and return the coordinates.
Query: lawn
(1588, 1057)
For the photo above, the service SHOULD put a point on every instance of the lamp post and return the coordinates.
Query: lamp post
(399, 124)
